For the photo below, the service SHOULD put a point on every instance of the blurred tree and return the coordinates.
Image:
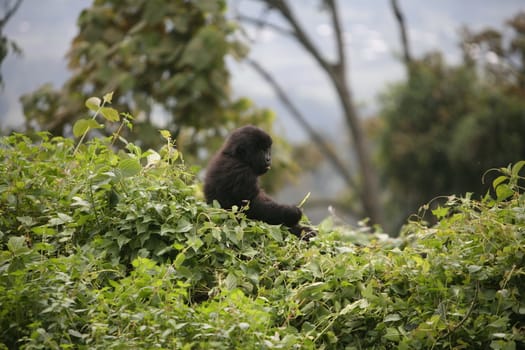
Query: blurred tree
(448, 124)
(501, 61)
(165, 61)
(363, 182)
(8, 10)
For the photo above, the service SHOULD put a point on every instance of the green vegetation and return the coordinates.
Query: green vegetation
(166, 59)
(105, 245)
(446, 124)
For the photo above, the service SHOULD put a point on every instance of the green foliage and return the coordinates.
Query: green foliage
(419, 117)
(446, 124)
(442, 130)
(165, 59)
(103, 248)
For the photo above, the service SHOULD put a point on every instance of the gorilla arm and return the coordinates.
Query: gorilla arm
(264, 208)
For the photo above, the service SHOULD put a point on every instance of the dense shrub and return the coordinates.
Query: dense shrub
(112, 249)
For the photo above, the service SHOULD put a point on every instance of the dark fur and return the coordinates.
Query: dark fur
(232, 179)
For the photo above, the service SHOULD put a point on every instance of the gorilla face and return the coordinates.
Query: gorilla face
(263, 161)
(252, 146)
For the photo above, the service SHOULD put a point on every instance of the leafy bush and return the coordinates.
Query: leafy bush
(111, 249)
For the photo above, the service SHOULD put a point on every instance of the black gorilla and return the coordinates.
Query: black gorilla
(232, 179)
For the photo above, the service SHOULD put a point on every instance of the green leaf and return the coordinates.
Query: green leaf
(183, 226)
(517, 167)
(60, 219)
(122, 240)
(392, 334)
(26, 220)
(276, 233)
(44, 231)
(82, 126)
(165, 134)
(17, 245)
(75, 333)
(129, 167)
(181, 257)
(93, 103)
(230, 281)
(497, 181)
(474, 268)
(503, 192)
(195, 242)
(108, 97)
(310, 290)
(239, 233)
(440, 212)
(110, 114)
(392, 318)
(152, 158)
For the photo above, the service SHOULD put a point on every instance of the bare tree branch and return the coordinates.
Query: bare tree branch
(299, 33)
(9, 12)
(407, 57)
(341, 53)
(314, 136)
(369, 193)
(261, 23)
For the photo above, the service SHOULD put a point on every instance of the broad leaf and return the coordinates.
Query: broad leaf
(82, 126)
(93, 103)
(129, 167)
(110, 114)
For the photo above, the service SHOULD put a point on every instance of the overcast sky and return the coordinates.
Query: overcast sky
(44, 29)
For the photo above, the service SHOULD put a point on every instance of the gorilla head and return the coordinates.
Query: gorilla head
(251, 146)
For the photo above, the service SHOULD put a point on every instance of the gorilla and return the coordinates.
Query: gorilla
(232, 179)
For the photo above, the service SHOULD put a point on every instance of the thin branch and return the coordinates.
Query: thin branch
(403, 32)
(466, 317)
(299, 33)
(10, 12)
(294, 111)
(261, 23)
(338, 34)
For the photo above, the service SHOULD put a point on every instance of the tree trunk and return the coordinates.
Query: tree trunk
(369, 191)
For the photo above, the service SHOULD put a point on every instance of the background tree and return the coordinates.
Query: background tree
(447, 124)
(165, 61)
(362, 181)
